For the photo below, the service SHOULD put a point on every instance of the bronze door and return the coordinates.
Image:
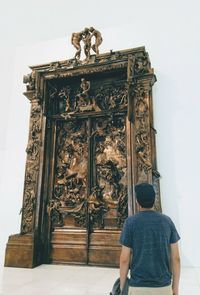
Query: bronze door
(88, 187)
(91, 139)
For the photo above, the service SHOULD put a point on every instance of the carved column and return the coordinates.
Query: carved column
(146, 170)
(32, 167)
(142, 165)
(23, 247)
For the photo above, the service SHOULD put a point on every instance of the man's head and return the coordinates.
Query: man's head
(86, 30)
(145, 195)
(91, 29)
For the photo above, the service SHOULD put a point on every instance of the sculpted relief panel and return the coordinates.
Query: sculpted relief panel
(68, 100)
(111, 168)
(70, 178)
(102, 201)
(32, 169)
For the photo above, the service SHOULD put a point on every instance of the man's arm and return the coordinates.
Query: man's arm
(124, 265)
(175, 260)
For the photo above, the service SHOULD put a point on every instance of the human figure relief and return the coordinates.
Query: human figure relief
(76, 42)
(87, 43)
(86, 36)
(98, 39)
(85, 86)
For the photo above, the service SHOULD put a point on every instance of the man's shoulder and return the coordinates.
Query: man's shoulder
(133, 218)
(156, 214)
(165, 220)
(165, 217)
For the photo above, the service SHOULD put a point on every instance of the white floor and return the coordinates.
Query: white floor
(76, 280)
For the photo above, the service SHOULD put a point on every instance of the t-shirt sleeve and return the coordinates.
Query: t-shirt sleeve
(174, 234)
(126, 236)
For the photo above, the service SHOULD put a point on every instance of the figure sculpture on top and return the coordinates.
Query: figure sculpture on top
(86, 36)
(98, 39)
(76, 41)
(87, 43)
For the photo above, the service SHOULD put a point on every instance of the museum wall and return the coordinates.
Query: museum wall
(170, 34)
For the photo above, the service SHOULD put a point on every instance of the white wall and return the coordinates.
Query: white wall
(170, 32)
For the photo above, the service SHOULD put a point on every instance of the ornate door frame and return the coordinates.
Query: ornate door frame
(141, 152)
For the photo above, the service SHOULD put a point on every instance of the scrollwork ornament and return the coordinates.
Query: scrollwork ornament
(32, 168)
(28, 210)
(142, 132)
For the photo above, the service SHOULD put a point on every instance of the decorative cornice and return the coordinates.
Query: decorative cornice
(102, 58)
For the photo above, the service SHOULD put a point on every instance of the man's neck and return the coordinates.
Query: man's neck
(146, 209)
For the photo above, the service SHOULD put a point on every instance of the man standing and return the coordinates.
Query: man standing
(87, 43)
(150, 246)
(76, 41)
(98, 39)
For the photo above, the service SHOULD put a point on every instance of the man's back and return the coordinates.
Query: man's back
(149, 235)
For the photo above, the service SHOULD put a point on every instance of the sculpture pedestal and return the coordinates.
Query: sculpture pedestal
(21, 251)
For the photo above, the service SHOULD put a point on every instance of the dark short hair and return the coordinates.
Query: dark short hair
(145, 195)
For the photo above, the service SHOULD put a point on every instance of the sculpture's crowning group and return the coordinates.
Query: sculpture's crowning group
(86, 36)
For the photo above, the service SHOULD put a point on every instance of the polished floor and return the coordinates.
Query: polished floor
(76, 280)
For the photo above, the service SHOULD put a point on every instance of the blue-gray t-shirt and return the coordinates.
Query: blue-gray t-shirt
(149, 235)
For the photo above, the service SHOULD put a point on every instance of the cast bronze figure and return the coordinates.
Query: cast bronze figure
(98, 39)
(86, 36)
(76, 41)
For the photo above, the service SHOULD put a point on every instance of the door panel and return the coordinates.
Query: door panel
(89, 201)
(111, 169)
(70, 174)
